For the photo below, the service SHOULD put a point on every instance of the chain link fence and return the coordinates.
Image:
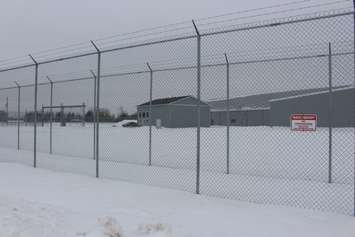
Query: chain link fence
(202, 106)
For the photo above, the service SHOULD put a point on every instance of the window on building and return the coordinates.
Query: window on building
(147, 114)
(233, 121)
(143, 114)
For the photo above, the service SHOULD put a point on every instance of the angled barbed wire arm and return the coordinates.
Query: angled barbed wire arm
(198, 129)
(35, 112)
(150, 111)
(196, 28)
(97, 115)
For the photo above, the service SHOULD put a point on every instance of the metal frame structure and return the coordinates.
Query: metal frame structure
(62, 107)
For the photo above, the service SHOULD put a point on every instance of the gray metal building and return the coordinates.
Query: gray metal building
(174, 112)
(275, 109)
(340, 114)
(249, 117)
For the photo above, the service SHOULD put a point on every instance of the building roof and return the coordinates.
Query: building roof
(164, 101)
(311, 94)
(262, 101)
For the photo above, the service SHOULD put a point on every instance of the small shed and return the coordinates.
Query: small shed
(174, 112)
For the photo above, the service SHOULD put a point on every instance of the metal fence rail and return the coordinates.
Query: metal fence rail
(212, 99)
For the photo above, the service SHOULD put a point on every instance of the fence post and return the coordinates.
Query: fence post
(18, 113)
(97, 112)
(94, 115)
(353, 106)
(198, 130)
(35, 114)
(83, 120)
(42, 115)
(7, 111)
(51, 118)
(228, 111)
(62, 116)
(330, 116)
(150, 112)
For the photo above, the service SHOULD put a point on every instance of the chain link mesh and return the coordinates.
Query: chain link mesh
(257, 70)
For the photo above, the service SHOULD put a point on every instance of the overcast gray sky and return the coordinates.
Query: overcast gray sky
(31, 26)
(37, 25)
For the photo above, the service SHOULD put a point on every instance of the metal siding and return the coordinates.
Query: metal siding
(242, 118)
(186, 116)
(318, 104)
(177, 116)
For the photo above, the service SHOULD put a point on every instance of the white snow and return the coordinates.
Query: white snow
(268, 165)
(41, 203)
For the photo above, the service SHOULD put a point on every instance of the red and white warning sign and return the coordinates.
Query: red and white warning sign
(304, 122)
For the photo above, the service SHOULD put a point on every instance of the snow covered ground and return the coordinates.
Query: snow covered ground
(42, 203)
(259, 151)
(268, 165)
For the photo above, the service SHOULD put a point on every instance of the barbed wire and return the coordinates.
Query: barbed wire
(208, 61)
(74, 47)
(274, 13)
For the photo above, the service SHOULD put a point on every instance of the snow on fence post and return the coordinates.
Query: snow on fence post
(35, 114)
(198, 130)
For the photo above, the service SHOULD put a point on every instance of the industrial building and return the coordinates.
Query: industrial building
(174, 112)
(275, 109)
(337, 113)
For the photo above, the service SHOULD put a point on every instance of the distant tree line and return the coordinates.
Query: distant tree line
(105, 115)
